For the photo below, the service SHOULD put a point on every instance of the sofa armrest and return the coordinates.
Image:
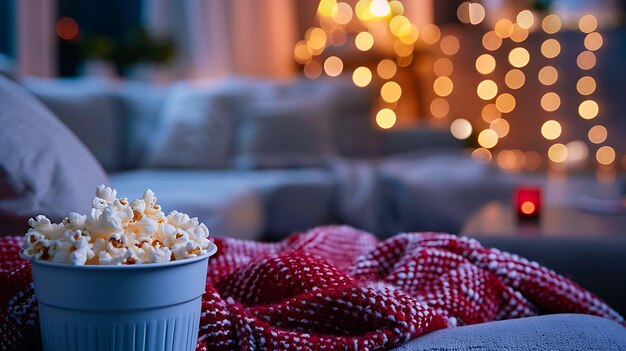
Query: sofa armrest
(596, 264)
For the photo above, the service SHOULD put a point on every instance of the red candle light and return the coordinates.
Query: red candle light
(528, 202)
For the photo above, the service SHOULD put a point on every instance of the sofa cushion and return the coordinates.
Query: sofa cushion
(283, 132)
(437, 190)
(142, 104)
(196, 127)
(44, 168)
(90, 109)
(238, 203)
(228, 206)
(559, 332)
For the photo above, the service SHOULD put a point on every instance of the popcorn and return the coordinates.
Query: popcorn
(117, 232)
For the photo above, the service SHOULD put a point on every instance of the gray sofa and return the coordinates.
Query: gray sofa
(263, 158)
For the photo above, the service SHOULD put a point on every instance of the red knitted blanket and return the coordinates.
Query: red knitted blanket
(338, 288)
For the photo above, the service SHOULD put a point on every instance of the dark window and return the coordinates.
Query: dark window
(99, 21)
(7, 27)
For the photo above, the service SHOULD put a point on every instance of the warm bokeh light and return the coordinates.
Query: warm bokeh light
(450, 45)
(462, 12)
(485, 64)
(550, 48)
(412, 37)
(487, 138)
(364, 41)
(593, 41)
(487, 89)
(511, 159)
(472, 13)
(557, 153)
(532, 160)
(386, 69)
(588, 23)
(315, 39)
(443, 86)
(576, 151)
(342, 13)
(505, 103)
(404, 61)
(501, 127)
(519, 34)
(402, 50)
(527, 207)
(396, 7)
(391, 92)
(439, 107)
(443, 67)
(337, 36)
(551, 24)
(490, 113)
(548, 75)
(400, 26)
(551, 130)
(380, 8)
(504, 28)
(312, 69)
(302, 53)
(386, 118)
(586, 85)
(362, 10)
(430, 34)
(333, 66)
(461, 129)
(326, 7)
(605, 155)
(586, 60)
(515, 79)
(481, 155)
(588, 109)
(525, 19)
(67, 28)
(362, 76)
(550, 101)
(597, 134)
(491, 41)
(519, 57)
(476, 13)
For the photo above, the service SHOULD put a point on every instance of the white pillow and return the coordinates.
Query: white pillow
(196, 127)
(44, 168)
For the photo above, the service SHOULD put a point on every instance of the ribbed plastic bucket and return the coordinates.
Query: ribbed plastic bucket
(124, 308)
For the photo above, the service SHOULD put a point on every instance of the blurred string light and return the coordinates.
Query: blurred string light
(339, 20)
(362, 76)
(597, 134)
(333, 66)
(364, 41)
(386, 118)
(548, 75)
(461, 129)
(586, 86)
(67, 28)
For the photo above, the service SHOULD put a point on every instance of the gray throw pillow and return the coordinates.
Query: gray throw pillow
(44, 168)
(284, 133)
(195, 129)
(90, 109)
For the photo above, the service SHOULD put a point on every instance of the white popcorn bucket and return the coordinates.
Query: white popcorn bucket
(139, 307)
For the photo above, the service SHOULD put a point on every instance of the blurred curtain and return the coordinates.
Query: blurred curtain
(217, 37)
(36, 41)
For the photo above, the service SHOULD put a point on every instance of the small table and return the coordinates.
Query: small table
(498, 219)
